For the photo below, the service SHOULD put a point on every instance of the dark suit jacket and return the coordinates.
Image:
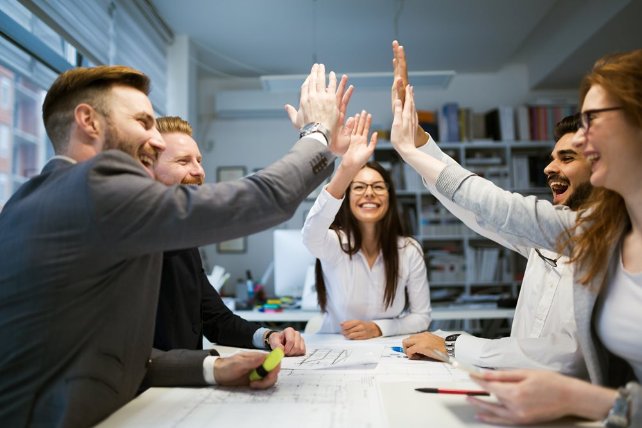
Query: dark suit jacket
(80, 262)
(189, 307)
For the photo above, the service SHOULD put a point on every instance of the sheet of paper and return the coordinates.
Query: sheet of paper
(310, 400)
(335, 357)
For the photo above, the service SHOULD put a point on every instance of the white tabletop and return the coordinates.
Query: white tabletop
(376, 397)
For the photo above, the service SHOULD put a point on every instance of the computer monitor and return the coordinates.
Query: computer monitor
(291, 262)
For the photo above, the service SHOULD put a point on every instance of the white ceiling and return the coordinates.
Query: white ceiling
(557, 40)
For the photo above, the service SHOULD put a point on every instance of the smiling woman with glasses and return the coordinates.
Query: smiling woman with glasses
(368, 272)
(603, 241)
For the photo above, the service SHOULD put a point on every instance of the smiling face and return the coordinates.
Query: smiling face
(180, 162)
(130, 127)
(369, 207)
(612, 145)
(568, 172)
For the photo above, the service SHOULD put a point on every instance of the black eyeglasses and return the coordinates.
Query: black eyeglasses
(588, 115)
(359, 188)
(547, 260)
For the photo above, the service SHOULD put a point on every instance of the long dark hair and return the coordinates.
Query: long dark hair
(388, 230)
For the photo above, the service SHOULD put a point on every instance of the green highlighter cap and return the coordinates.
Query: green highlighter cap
(273, 359)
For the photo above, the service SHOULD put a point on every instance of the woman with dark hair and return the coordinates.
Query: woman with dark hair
(603, 240)
(371, 277)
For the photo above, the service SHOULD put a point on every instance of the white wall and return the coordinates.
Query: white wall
(256, 142)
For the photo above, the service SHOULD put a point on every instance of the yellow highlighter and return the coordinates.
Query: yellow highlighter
(273, 359)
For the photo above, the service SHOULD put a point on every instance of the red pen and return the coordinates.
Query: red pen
(451, 391)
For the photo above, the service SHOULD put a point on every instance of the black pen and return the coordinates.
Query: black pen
(451, 391)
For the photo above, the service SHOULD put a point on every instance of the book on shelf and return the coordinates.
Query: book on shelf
(428, 121)
(500, 123)
(449, 122)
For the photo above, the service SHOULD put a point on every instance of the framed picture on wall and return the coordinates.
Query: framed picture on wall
(237, 246)
(228, 173)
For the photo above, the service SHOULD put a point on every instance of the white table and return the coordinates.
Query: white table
(390, 393)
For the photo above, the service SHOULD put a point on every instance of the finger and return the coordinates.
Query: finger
(373, 142)
(290, 340)
(346, 98)
(269, 380)
(332, 83)
(341, 88)
(492, 412)
(504, 375)
(320, 78)
(355, 124)
(401, 63)
(349, 323)
(312, 86)
(349, 126)
(362, 122)
(366, 126)
(305, 87)
(292, 114)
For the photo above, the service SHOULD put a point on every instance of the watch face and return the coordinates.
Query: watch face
(451, 338)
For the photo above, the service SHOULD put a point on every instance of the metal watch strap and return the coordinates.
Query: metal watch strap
(450, 344)
(266, 341)
(618, 416)
(315, 127)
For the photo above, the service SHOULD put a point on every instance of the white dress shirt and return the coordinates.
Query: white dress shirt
(354, 289)
(543, 333)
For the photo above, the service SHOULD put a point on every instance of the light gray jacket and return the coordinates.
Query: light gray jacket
(526, 220)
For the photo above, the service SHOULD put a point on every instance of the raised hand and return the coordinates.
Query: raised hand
(325, 105)
(400, 71)
(399, 83)
(404, 124)
(359, 151)
(356, 155)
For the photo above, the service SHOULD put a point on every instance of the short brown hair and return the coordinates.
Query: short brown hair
(84, 85)
(167, 124)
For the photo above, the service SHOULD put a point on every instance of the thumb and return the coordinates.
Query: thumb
(292, 114)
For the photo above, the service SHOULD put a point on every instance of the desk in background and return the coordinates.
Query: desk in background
(297, 318)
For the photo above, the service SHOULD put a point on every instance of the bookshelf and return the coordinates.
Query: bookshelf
(462, 265)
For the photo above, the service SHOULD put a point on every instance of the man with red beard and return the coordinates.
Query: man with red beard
(188, 305)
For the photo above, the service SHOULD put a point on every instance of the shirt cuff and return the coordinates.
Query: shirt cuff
(208, 369)
(319, 137)
(257, 338)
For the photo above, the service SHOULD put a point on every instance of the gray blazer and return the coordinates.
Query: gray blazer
(80, 261)
(537, 223)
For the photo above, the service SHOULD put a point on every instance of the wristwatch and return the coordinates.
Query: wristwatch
(315, 127)
(266, 341)
(450, 344)
(618, 416)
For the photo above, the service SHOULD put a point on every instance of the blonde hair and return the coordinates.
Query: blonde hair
(167, 124)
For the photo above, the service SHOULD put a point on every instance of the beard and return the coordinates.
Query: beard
(115, 141)
(193, 180)
(579, 196)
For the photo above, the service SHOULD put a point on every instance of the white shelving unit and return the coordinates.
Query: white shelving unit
(460, 262)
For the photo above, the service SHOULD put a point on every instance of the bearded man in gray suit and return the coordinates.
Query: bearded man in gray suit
(81, 247)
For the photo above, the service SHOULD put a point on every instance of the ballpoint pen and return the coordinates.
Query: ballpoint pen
(452, 391)
(397, 348)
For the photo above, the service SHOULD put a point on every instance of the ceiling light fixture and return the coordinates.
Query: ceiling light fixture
(419, 79)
